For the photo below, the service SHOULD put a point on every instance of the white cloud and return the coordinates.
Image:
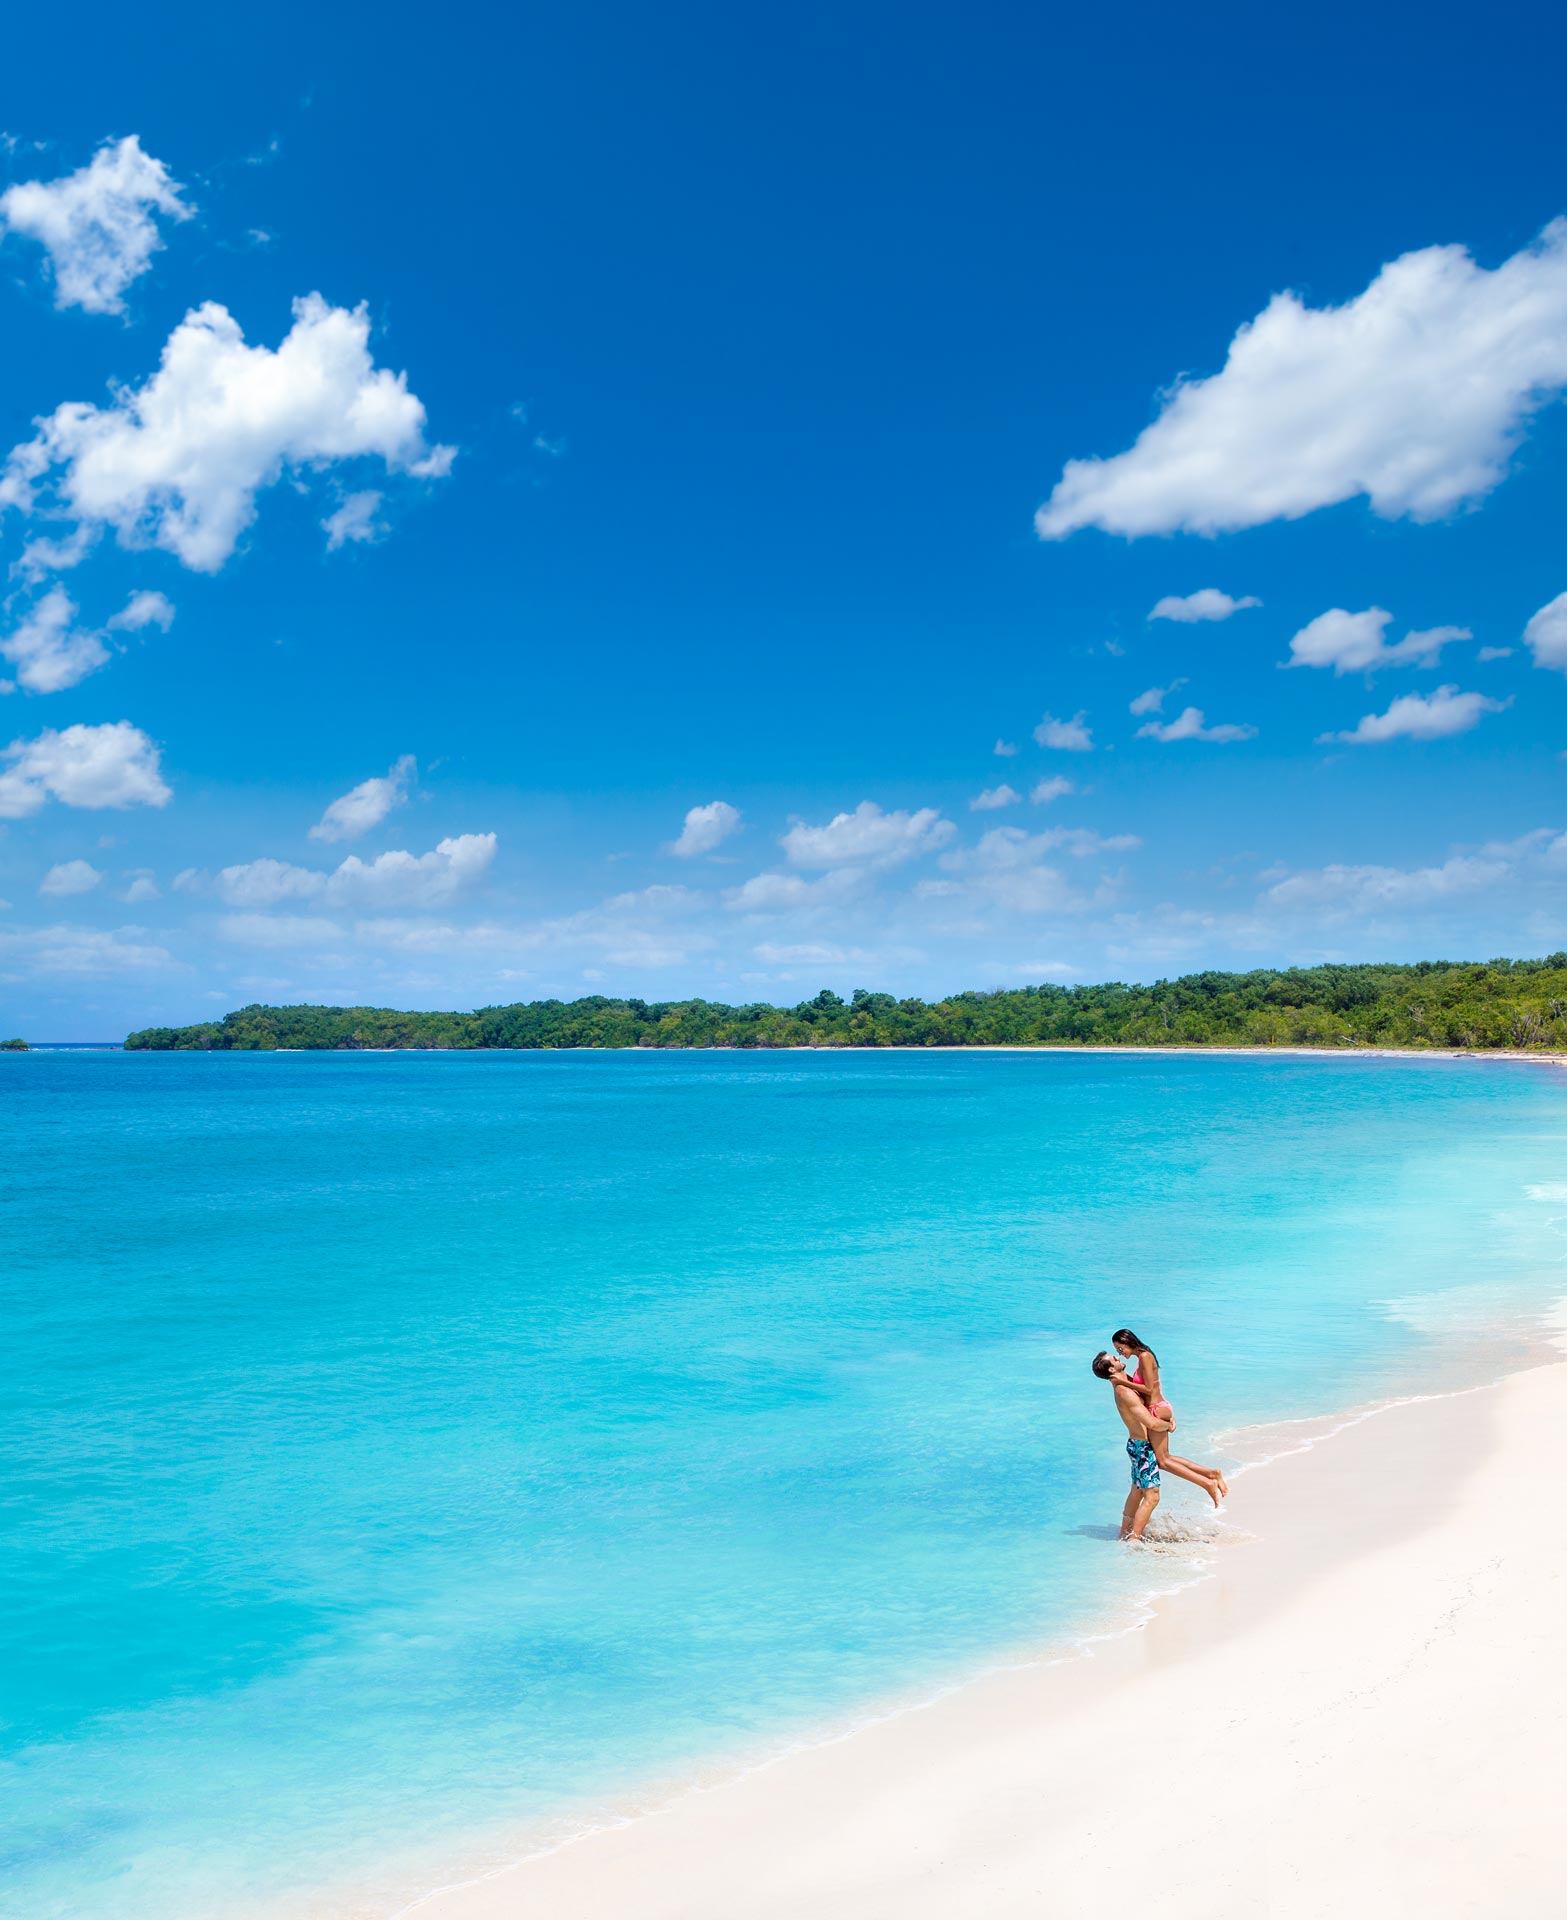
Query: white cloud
(1416, 716)
(109, 766)
(788, 892)
(368, 804)
(1065, 736)
(706, 828)
(867, 838)
(1546, 634)
(1007, 847)
(279, 930)
(397, 879)
(1055, 788)
(97, 223)
(808, 953)
(1356, 643)
(1349, 889)
(41, 556)
(1153, 698)
(1494, 653)
(1008, 868)
(48, 651)
(178, 462)
(993, 797)
(50, 951)
(354, 520)
(1208, 603)
(144, 610)
(1006, 748)
(141, 889)
(1189, 725)
(263, 883)
(70, 876)
(1415, 393)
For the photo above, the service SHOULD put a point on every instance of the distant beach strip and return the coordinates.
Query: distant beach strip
(1516, 1005)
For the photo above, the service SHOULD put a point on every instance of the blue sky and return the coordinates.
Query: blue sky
(570, 423)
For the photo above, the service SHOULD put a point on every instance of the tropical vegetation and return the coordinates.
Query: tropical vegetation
(1436, 1003)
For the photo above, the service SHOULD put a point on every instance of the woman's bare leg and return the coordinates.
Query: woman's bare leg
(1209, 1479)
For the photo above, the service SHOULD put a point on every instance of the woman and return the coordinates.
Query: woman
(1146, 1381)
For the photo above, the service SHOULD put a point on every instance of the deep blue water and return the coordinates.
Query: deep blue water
(398, 1445)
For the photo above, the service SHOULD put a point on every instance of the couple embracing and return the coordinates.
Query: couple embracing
(1149, 1420)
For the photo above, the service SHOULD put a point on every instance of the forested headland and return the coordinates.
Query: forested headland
(1460, 1004)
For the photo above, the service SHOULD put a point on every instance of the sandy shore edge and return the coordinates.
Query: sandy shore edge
(1359, 1709)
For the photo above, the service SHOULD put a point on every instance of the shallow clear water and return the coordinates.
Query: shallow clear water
(399, 1445)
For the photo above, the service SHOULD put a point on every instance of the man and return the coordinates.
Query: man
(1140, 1426)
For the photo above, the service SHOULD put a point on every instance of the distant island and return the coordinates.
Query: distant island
(14, 1046)
(1437, 1003)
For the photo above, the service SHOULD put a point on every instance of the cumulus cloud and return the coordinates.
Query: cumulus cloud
(42, 556)
(1208, 603)
(368, 804)
(279, 930)
(144, 610)
(1153, 698)
(1356, 643)
(705, 828)
(142, 888)
(1417, 716)
(1546, 634)
(993, 797)
(115, 765)
(1006, 748)
(1494, 653)
(1415, 394)
(1350, 889)
(792, 892)
(97, 224)
(1065, 736)
(867, 838)
(1010, 868)
(354, 521)
(397, 879)
(177, 463)
(1043, 792)
(48, 650)
(1190, 725)
(50, 951)
(70, 876)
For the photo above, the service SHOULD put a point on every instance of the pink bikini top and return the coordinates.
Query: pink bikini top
(1137, 1380)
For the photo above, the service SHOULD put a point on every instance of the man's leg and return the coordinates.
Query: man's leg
(1129, 1511)
(1147, 1498)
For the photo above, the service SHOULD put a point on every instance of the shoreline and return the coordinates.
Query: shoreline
(1516, 1054)
(978, 1798)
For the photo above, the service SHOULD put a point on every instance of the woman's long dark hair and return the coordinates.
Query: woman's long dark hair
(1124, 1337)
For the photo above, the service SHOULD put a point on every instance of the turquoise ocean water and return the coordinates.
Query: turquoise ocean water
(398, 1447)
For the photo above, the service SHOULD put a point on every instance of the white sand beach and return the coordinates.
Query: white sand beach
(1359, 1712)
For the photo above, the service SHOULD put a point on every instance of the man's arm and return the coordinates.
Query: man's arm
(1135, 1413)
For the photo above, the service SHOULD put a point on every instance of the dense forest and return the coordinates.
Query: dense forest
(1502, 1003)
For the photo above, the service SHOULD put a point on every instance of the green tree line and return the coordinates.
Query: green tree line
(1436, 1003)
